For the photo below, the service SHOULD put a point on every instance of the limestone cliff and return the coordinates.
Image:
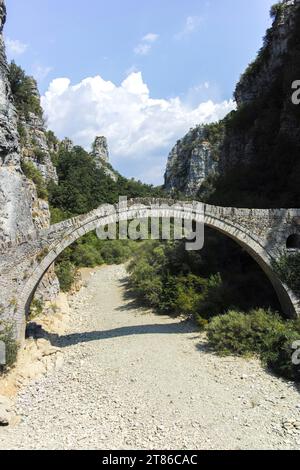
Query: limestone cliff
(193, 160)
(35, 147)
(265, 112)
(21, 210)
(16, 192)
(66, 144)
(100, 153)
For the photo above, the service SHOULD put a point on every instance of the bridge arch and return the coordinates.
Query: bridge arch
(66, 233)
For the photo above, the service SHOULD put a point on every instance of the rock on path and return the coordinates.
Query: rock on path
(132, 379)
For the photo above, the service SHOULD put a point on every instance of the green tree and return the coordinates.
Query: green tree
(24, 90)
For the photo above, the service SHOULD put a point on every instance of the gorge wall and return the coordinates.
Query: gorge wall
(21, 208)
(257, 147)
(38, 149)
(16, 192)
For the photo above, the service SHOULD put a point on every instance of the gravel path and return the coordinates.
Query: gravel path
(133, 379)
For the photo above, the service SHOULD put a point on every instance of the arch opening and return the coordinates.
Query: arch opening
(293, 242)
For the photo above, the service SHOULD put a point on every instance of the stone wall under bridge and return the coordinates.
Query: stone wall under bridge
(263, 233)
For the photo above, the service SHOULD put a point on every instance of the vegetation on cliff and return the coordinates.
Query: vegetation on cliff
(22, 86)
(32, 173)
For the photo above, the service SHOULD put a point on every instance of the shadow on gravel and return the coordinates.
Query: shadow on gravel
(69, 340)
(132, 300)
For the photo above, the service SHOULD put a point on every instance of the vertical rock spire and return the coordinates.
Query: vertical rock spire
(100, 151)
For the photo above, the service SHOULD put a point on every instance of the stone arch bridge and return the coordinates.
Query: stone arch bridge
(264, 233)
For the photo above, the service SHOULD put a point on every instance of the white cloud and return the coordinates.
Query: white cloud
(150, 37)
(192, 24)
(140, 130)
(15, 47)
(145, 46)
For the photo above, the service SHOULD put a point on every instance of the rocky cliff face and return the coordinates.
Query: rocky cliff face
(259, 158)
(193, 160)
(21, 211)
(16, 192)
(263, 94)
(67, 144)
(35, 147)
(260, 73)
(258, 150)
(100, 153)
(38, 149)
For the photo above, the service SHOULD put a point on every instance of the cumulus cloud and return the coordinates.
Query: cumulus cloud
(140, 130)
(15, 47)
(145, 46)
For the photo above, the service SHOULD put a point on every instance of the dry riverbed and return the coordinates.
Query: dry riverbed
(120, 377)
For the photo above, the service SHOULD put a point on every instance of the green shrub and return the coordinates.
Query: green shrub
(151, 291)
(288, 269)
(89, 251)
(11, 345)
(187, 293)
(57, 215)
(66, 273)
(22, 134)
(52, 140)
(244, 334)
(32, 173)
(279, 357)
(86, 255)
(39, 155)
(260, 333)
(116, 251)
(231, 334)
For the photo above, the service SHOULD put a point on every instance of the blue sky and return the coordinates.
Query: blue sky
(140, 72)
